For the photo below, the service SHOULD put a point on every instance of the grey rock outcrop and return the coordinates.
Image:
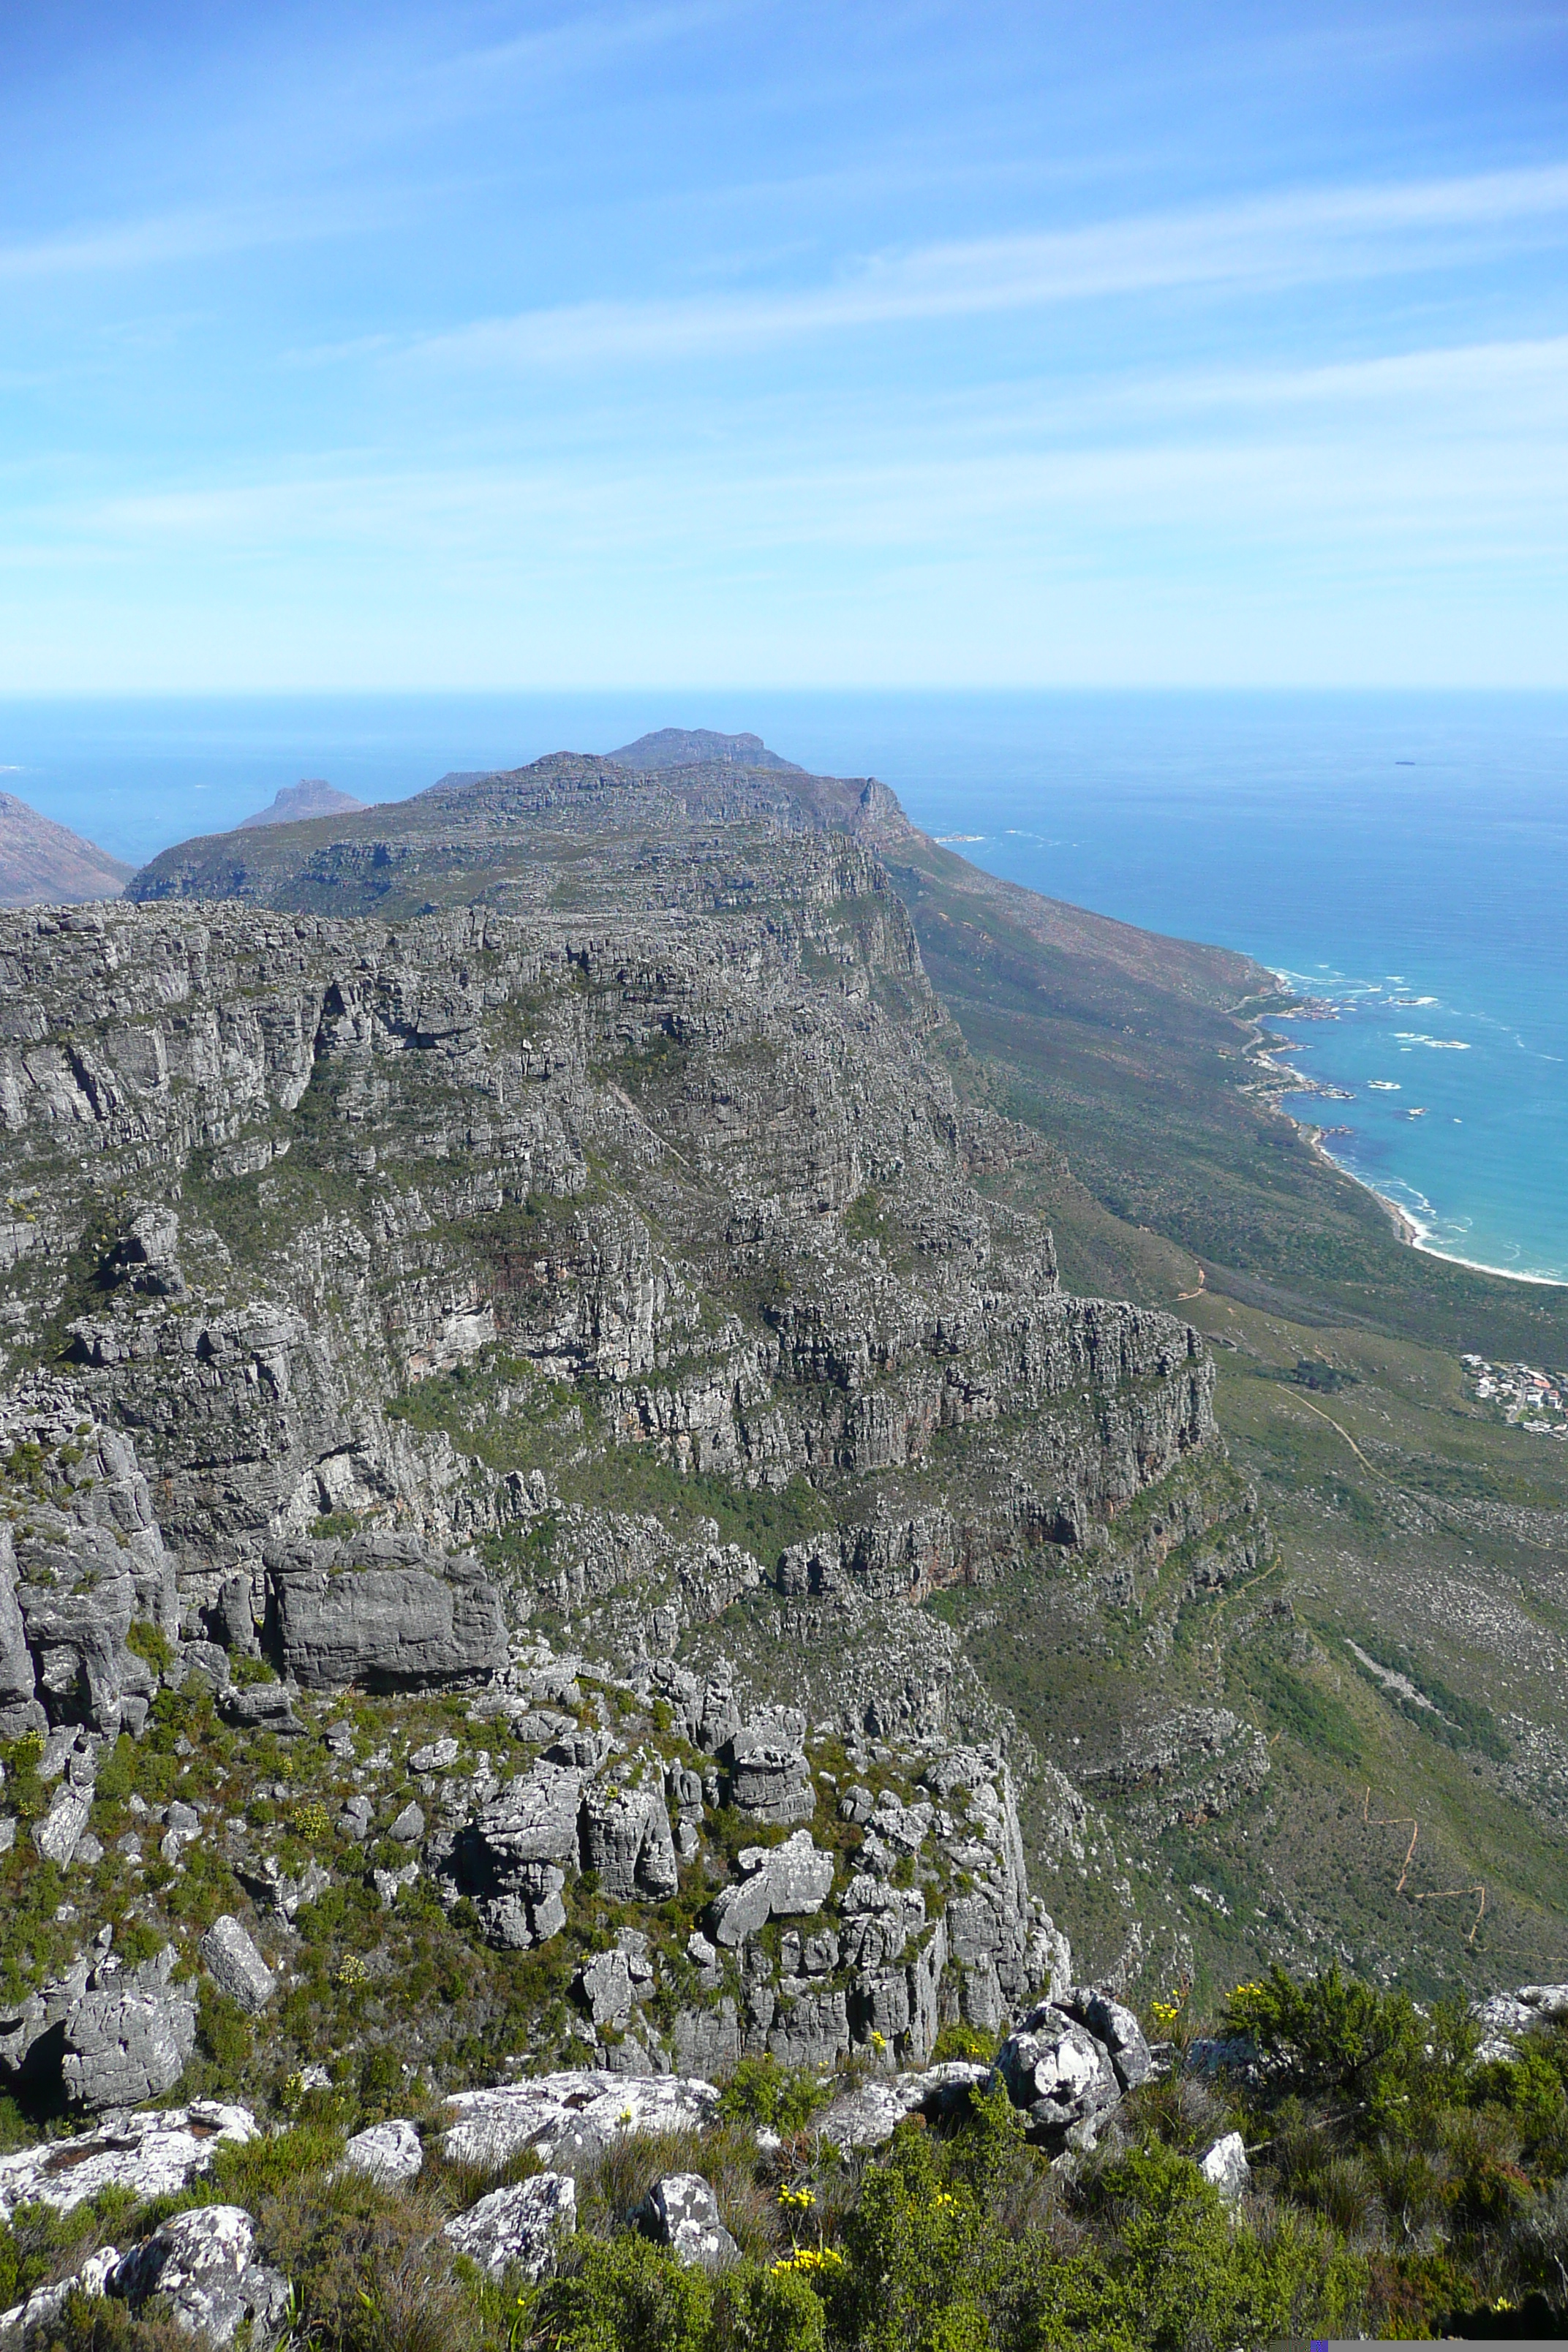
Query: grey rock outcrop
(1507, 2019)
(128, 2038)
(401, 1628)
(788, 1881)
(626, 1836)
(513, 1857)
(680, 2211)
(769, 1776)
(518, 2228)
(589, 2109)
(1116, 2028)
(868, 2116)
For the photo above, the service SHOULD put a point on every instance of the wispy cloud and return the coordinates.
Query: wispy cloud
(1310, 235)
(203, 234)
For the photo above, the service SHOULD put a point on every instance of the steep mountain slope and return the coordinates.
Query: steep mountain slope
(45, 865)
(579, 1165)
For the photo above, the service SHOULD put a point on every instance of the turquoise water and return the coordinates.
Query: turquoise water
(1374, 847)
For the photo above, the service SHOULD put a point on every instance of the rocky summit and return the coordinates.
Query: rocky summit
(536, 1371)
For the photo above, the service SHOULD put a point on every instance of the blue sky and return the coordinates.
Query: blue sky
(693, 342)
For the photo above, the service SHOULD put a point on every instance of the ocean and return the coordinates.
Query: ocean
(1402, 857)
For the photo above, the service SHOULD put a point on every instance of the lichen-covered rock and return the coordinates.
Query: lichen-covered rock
(235, 1965)
(1225, 2167)
(681, 2212)
(387, 2152)
(868, 2116)
(150, 2155)
(1115, 2026)
(518, 2228)
(592, 2109)
(1058, 2072)
(1507, 2017)
(201, 2266)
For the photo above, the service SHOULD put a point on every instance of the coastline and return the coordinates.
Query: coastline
(1408, 1229)
(1405, 1226)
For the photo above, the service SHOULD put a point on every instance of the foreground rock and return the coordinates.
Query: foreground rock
(201, 2268)
(869, 2115)
(518, 2228)
(575, 2115)
(1506, 2019)
(387, 2152)
(128, 2038)
(1225, 2167)
(681, 2212)
(1061, 2076)
(154, 2155)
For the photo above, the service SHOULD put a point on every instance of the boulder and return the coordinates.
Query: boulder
(513, 1858)
(387, 2152)
(409, 1826)
(788, 1881)
(439, 1756)
(20, 1710)
(145, 1258)
(76, 1621)
(606, 1984)
(59, 1832)
(1225, 2167)
(1058, 2072)
(261, 1706)
(1507, 2017)
(1116, 2026)
(387, 1629)
(680, 2211)
(152, 2155)
(235, 1965)
(518, 2228)
(799, 1876)
(707, 2040)
(201, 2266)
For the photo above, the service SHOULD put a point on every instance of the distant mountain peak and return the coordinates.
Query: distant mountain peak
(700, 747)
(311, 796)
(43, 864)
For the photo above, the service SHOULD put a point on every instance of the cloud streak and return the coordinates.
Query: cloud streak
(1314, 234)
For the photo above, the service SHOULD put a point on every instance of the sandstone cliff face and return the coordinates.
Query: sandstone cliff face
(390, 1301)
